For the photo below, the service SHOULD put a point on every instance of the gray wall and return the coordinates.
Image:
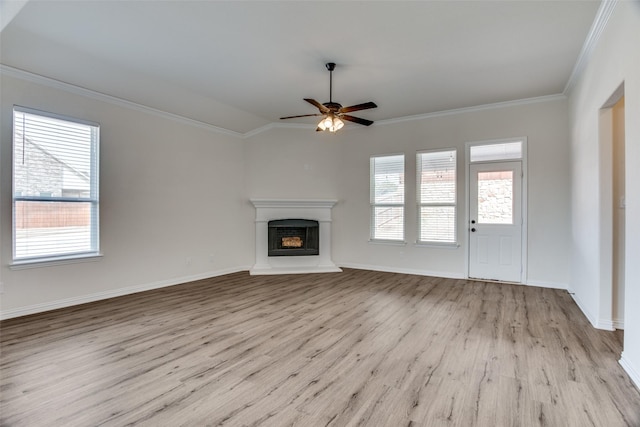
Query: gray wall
(174, 197)
(298, 163)
(172, 207)
(615, 60)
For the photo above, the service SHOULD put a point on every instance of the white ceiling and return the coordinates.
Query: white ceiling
(241, 65)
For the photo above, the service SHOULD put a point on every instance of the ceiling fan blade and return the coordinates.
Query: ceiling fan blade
(358, 107)
(319, 106)
(358, 120)
(303, 115)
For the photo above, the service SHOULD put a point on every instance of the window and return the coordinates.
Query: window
(497, 151)
(436, 174)
(387, 197)
(55, 187)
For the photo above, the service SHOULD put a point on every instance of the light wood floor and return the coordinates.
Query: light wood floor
(353, 348)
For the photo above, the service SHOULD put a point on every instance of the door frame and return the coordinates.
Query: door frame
(604, 318)
(524, 194)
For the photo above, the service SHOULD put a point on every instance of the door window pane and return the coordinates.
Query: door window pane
(495, 197)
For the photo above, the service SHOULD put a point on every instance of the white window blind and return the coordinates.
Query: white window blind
(498, 151)
(436, 185)
(387, 197)
(55, 186)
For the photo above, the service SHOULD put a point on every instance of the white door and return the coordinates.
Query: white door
(495, 221)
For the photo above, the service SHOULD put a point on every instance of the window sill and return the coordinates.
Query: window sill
(437, 245)
(388, 242)
(50, 262)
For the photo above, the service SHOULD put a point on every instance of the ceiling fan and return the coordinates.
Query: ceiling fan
(334, 113)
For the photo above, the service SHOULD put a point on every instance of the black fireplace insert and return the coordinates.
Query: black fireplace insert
(293, 237)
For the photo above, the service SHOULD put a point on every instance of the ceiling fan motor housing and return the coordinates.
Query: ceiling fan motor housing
(333, 106)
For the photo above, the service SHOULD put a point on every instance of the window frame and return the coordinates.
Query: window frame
(93, 199)
(419, 204)
(374, 205)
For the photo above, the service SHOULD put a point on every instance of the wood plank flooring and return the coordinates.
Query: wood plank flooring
(357, 348)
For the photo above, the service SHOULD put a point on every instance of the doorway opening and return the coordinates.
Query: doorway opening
(612, 209)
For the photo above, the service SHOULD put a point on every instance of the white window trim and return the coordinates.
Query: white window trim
(522, 140)
(372, 206)
(67, 258)
(53, 261)
(432, 243)
(438, 245)
(388, 242)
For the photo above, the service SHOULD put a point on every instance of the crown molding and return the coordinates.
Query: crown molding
(518, 102)
(259, 130)
(476, 108)
(599, 24)
(9, 10)
(89, 93)
(277, 125)
(57, 84)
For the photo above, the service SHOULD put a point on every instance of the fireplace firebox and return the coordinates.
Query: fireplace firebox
(293, 237)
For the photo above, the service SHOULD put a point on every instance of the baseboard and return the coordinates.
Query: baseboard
(549, 285)
(590, 317)
(633, 373)
(445, 274)
(606, 325)
(69, 302)
(387, 269)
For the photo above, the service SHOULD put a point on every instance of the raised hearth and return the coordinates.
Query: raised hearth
(304, 212)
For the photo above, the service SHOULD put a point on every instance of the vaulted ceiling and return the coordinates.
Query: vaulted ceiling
(241, 65)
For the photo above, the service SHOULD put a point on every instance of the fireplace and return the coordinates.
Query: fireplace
(293, 237)
(291, 246)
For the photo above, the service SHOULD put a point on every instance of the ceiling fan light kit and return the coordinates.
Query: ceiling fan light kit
(334, 113)
(330, 123)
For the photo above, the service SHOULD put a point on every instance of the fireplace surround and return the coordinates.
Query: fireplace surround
(304, 213)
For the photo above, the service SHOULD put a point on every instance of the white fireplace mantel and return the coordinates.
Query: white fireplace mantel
(272, 209)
